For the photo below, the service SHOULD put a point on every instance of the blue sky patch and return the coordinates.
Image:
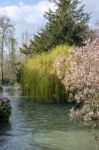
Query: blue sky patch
(28, 15)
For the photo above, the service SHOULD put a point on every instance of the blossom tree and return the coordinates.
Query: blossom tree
(79, 72)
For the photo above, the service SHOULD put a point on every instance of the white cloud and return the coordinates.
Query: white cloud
(30, 17)
(27, 17)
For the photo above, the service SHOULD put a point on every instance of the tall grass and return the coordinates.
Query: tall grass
(39, 79)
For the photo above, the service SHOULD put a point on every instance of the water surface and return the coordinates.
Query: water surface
(35, 126)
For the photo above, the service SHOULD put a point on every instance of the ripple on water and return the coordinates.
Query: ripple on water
(41, 127)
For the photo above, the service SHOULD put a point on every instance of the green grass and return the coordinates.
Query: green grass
(39, 79)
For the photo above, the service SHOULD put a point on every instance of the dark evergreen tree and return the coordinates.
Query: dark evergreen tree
(67, 24)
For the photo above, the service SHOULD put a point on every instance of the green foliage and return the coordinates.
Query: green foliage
(39, 79)
(68, 24)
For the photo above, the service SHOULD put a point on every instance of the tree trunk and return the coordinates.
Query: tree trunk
(2, 57)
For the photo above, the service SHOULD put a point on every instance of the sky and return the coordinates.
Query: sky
(28, 15)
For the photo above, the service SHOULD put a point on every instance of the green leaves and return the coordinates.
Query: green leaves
(39, 77)
(67, 24)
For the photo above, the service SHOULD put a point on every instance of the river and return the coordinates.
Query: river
(35, 126)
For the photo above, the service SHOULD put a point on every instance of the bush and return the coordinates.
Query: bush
(81, 80)
(5, 109)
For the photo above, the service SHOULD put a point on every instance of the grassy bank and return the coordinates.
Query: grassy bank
(39, 79)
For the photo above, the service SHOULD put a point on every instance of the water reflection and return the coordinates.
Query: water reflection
(4, 131)
(4, 128)
(36, 126)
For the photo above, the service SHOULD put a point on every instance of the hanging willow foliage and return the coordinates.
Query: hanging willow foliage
(39, 78)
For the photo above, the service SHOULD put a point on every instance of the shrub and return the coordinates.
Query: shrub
(5, 109)
(81, 80)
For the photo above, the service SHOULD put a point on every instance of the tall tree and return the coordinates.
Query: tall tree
(67, 24)
(12, 55)
(6, 28)
(26, 40)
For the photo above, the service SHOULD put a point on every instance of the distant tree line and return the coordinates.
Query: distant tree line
(8, 57)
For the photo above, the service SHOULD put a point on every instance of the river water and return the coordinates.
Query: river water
(35, 126)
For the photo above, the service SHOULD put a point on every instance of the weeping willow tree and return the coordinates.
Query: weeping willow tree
(39, 78)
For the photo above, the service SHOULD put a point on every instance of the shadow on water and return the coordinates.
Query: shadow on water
(36, 126)
(4, 128)
(4, 132)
